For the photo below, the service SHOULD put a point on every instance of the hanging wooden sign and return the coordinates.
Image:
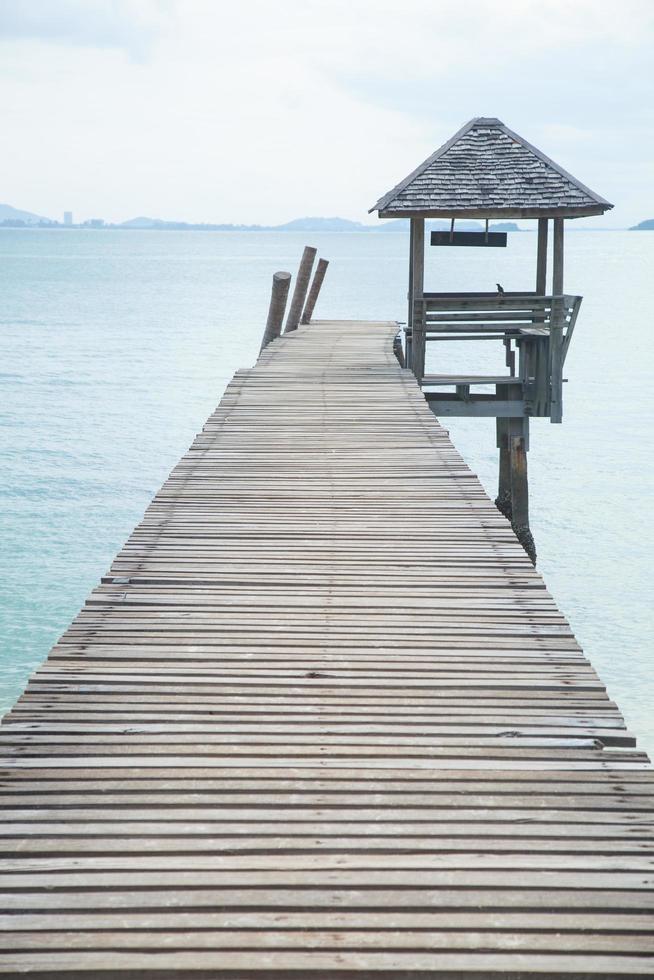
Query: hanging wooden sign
(492, 239)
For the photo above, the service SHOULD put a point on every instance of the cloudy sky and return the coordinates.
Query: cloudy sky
(254, 111)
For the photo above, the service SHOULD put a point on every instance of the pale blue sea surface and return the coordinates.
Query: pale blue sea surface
(115, 346)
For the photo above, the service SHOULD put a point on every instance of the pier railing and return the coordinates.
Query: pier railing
(535, 330)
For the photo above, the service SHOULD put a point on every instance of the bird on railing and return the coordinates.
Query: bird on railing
(499, 289)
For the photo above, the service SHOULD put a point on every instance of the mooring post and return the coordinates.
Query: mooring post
(518, 444)
(280, 286)
(316, 285)
(301, 286)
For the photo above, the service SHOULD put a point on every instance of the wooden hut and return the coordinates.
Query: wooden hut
(487, 172)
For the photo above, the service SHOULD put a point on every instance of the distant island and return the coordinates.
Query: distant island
(11, 217)
(310, 224)
(21, 218)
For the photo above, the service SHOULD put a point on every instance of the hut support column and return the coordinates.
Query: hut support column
(557, 258)
(556, 326)
(503, 499)
(409, 313)
(541, 258)
(518, 438)
(416, 301)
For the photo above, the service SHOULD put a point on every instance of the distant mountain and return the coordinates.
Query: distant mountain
(316, 224)
(141, 222)
(647, 225)
(299, 224)
(322, 224)
(158, 224)
(7, 213)
(10, 216)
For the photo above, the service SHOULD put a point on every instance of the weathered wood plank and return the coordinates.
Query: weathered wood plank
(322, 718)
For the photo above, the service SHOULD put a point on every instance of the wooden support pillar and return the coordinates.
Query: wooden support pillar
(557, 258)
(310, 304)
(409, 295)
(397, 349)
(518, 445)
(417, 286)
(541, 258)
(408, 335)
(556, 326)
(280, 286)
(300, 291)
(503, 499)
(408, 349)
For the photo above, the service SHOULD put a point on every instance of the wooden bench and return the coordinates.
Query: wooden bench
(536, 328)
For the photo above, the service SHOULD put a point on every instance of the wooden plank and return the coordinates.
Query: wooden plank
(321, 718)
(286, 964)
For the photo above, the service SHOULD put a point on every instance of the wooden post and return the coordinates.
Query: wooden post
(409, 295)
(397, 349)
(408, 348)
(310, 304)
(301, 286)
(417, 280)
(518, 436)
(280, 286)
(557, 258)
(556, 326)
(541, 259)
(408, 335)
(503, 499)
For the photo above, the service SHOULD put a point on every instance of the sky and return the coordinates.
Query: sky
(259, 112)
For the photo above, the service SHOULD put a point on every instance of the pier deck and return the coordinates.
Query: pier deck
(322, 719)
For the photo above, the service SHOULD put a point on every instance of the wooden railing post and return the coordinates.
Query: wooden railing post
(300, 291)
(408, 347)
(397, 349)
(312, 298)
(280, 286)
(557, 318)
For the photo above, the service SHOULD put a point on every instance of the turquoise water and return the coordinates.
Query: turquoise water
(115, 346)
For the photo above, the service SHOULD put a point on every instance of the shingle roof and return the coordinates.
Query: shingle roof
(487, 170)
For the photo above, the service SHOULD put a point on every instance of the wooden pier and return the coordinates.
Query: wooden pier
(322, 719)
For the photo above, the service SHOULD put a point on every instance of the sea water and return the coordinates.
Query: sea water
(116, 345)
